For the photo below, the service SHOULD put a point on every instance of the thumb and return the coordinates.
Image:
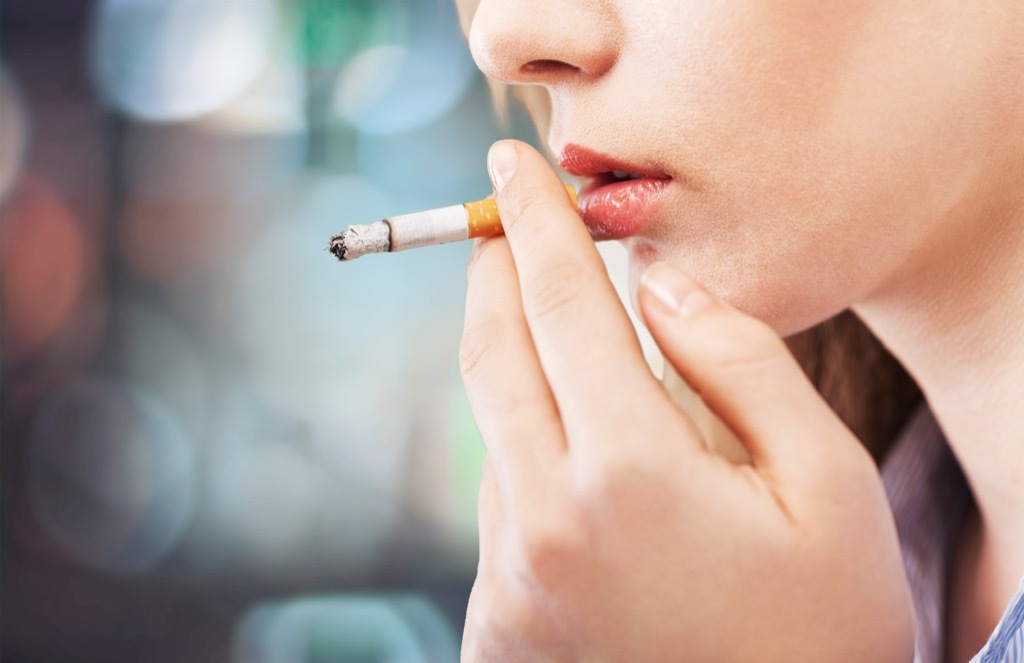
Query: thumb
(743, 371)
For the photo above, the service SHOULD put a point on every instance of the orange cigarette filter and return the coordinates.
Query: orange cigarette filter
(483, 215)
(429, 228)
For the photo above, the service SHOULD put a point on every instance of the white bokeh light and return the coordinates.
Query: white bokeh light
(273, 103)
(13, 132)
(391, 88)
(173, 60)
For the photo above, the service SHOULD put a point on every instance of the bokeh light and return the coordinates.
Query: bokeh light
(43, 262)
(394, 87)
(427, 164)
(264, 498)
(331, 32)
(111, 476)
(350, 629)
(171, 242)
(13, 132)
(196, 394)
(146, 348)
(167, 60)
(271, 104)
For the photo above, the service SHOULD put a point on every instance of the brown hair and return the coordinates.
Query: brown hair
(858, 377)
(855, 374)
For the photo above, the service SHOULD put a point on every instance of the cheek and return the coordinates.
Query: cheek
(817, 137)
(742, 66)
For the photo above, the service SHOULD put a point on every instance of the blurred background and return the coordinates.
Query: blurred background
(219, 444)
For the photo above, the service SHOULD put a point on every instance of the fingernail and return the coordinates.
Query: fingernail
(675, 290)
(501, 162)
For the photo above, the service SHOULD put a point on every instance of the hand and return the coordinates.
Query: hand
(607, 531)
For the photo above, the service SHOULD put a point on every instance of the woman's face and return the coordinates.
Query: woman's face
(820, 151)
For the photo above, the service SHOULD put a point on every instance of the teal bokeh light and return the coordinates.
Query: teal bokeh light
(346, 629)
(395, 86)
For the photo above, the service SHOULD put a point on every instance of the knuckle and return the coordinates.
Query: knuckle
(552, 545)
(604, 482)
(547, 551)
(618, 487)
(556, 293)
(529, 203)
(479, 341)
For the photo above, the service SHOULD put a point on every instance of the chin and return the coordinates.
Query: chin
(788, 310)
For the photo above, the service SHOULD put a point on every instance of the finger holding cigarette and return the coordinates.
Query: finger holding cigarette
(429, 228)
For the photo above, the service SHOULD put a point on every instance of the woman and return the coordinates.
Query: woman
(768, 166)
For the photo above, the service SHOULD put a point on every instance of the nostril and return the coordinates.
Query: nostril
(547, 68)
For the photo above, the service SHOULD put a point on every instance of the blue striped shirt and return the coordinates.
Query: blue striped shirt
(1007, 642)
(929, 496)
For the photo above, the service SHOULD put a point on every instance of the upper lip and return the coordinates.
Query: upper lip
(584, 162)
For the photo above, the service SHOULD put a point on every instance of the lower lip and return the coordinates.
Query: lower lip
(614, 209)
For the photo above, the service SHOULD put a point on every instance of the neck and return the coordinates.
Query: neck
(957, 324)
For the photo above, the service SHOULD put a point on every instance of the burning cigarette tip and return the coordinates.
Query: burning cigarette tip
(337, 246)
(359, 240)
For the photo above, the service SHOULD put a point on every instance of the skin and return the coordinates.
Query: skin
(825, 156)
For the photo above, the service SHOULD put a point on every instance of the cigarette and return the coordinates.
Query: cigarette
(411, 231)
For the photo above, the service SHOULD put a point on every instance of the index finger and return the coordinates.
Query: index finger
(587, 347)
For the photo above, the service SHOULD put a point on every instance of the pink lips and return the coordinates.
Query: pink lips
(613, 208)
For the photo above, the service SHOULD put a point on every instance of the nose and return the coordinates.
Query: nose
(545, 42)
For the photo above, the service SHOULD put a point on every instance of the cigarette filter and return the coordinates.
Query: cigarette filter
(410, 231)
